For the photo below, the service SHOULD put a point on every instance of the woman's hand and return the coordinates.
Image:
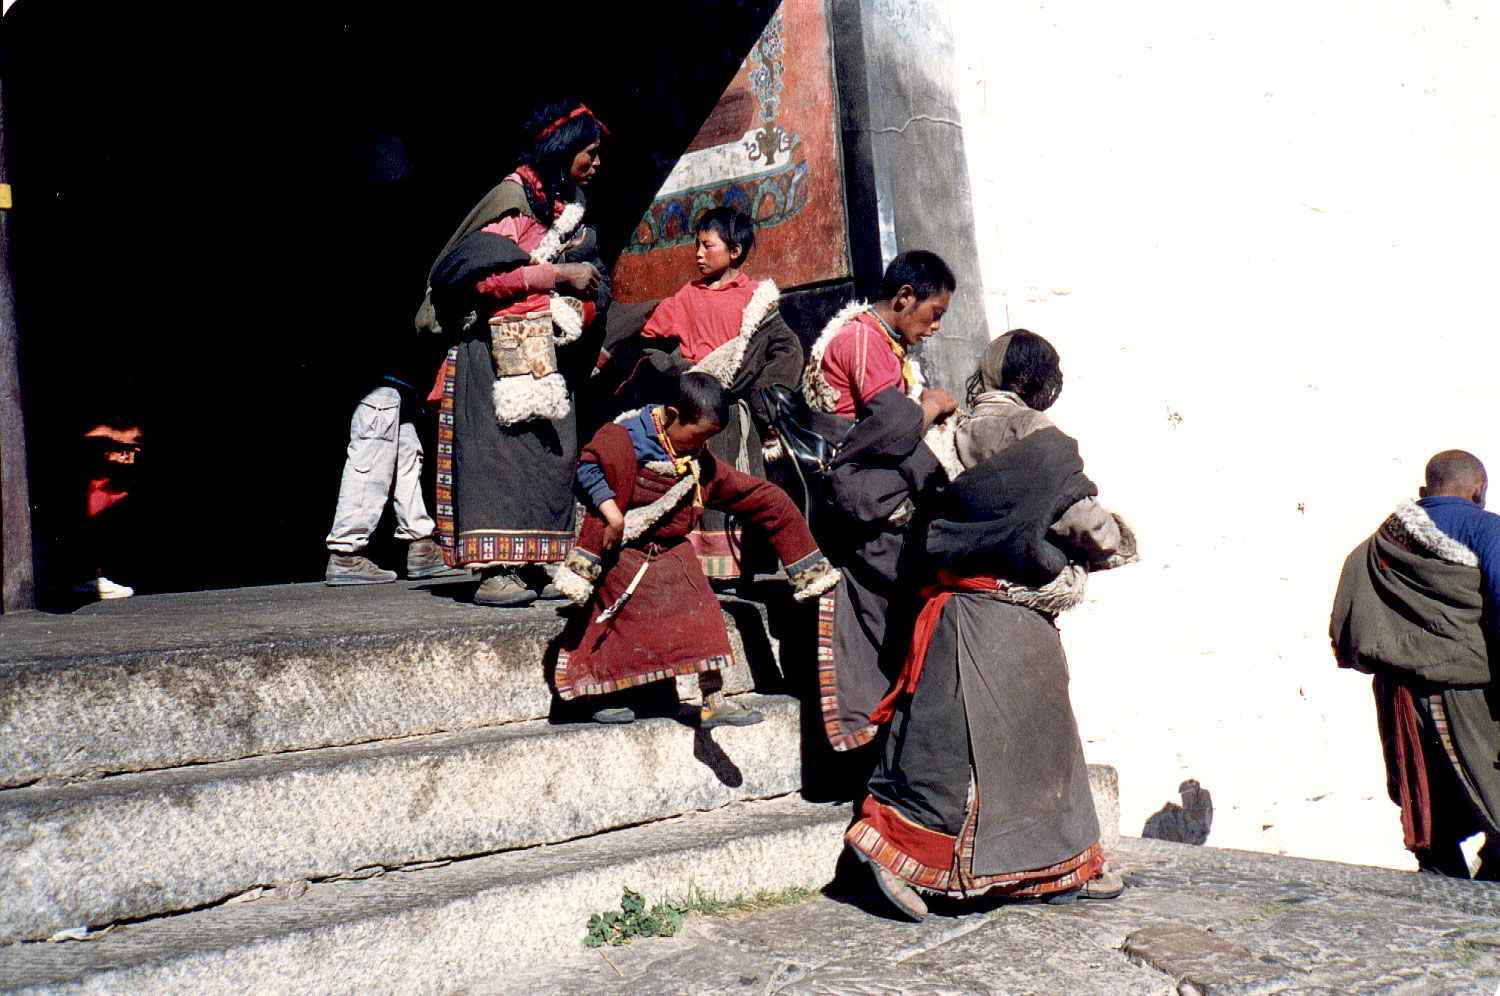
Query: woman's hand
(582, 277)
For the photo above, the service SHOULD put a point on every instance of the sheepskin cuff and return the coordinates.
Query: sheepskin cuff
(811, 576)
(584, 564)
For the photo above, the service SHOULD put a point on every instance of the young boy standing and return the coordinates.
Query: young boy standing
(728, 324)
(651, 615)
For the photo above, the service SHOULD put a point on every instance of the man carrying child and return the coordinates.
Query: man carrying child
(868, 398)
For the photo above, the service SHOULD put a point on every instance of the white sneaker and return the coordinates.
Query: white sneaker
(106, 588)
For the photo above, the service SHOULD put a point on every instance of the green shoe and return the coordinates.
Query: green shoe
(729, 713)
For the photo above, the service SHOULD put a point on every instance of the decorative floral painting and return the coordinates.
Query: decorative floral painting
(770, 147)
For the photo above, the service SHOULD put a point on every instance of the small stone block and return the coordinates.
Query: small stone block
(1201, 963)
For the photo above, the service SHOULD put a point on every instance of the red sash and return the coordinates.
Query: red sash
(937, 595)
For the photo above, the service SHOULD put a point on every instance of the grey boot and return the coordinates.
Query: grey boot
(501, 586)
(353, 569)
(424, 559)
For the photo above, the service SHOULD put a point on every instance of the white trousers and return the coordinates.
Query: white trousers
(382, 450)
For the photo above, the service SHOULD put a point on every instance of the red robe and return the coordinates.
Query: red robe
(672, 623)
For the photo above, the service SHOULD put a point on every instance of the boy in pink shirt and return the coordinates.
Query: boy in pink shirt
(726, 324)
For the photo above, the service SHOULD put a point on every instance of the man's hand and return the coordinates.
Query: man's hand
(582, 277)
(937, 404)
(614, 526)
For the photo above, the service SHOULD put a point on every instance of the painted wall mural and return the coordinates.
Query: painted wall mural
(770, 147)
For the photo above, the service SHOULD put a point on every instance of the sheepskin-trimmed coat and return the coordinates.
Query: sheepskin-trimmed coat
(671, 623)
(505, 480)
(765, 351)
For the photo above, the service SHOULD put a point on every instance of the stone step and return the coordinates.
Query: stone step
(138, 845)
(160, 681)
(439, 930)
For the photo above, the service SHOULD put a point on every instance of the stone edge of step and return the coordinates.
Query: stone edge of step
(787, 839)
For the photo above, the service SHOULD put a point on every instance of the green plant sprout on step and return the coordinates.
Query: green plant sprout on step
(633, 919)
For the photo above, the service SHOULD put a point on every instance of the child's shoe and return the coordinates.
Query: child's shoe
(109, 589)
(719, 711)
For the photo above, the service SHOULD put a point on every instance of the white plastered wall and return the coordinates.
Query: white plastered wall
(1264, 239)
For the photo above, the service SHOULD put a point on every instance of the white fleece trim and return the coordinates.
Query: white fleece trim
(1056, 596)
(942, 440)
(724, 362)
(818, 587)
(522, 397)
(918, 380)
(638, 520)
(561, 231)
(1420, 527)
(821, 397)
(575, 586)
(624, 417)
(566, 320)
(772, 450)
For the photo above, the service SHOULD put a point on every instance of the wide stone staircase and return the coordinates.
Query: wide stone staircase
(371, 790)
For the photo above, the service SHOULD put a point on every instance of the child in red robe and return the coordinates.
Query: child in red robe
(728, 324)
(651, 614)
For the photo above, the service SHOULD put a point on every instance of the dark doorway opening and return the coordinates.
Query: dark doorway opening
(223, 214)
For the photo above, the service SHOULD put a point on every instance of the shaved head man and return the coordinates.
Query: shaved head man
(1416, 608)
(1456, 474)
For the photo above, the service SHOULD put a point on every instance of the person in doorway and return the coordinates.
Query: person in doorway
(982, 787)
(727, 324)
(384, 463)
(110, 527)
(867, 393)
(1416, 608)
(520, 286)
(650, 613)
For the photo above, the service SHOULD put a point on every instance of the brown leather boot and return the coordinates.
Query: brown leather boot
(424, 559)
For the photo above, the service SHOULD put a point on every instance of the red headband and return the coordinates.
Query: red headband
(577, 111)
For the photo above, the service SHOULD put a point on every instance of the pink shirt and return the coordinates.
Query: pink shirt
(859, 363)
(525, 288)
(702, 318)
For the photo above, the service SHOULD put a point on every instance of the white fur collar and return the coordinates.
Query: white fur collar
(820, 396)
(561, 231)
(724, 362)
(1419, 527)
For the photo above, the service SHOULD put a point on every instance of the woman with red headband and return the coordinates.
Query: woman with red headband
(521, 288)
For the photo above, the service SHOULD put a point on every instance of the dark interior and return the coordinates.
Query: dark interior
(223, 215)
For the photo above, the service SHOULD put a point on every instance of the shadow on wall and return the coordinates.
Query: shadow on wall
(1188, 823)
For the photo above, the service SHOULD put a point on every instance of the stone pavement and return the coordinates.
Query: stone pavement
(1195, 921)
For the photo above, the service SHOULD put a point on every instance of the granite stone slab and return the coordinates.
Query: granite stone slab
(159, 681)
(144, 844)
(438, 930)
(1194, 921)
